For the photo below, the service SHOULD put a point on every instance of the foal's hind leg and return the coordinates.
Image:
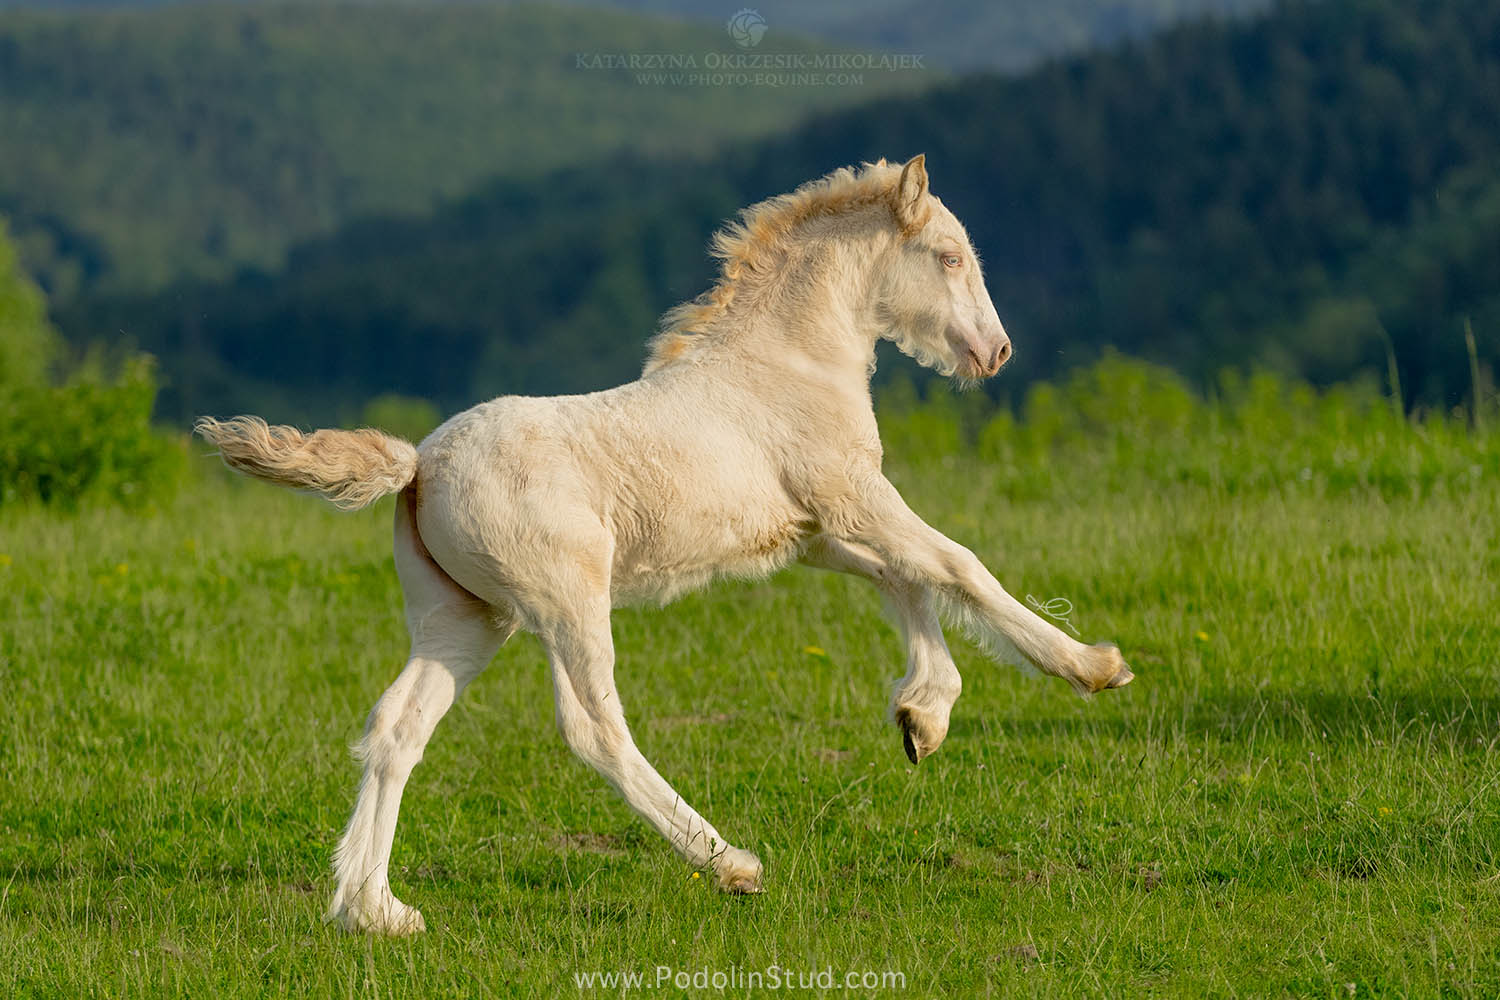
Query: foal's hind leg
(922, 700)
(593, 724)
(455, 645)
(454, 636)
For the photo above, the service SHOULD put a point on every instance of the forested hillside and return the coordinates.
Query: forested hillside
(959, 34)
(141, 145)
(964, 34)
(1309, 192)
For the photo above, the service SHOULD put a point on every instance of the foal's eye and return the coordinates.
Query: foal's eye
(951, 260)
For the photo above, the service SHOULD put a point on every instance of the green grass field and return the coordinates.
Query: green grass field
(1299, 795)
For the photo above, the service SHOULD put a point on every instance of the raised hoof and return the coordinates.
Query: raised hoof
(911, 747)
(1105, 669)
(920, 734)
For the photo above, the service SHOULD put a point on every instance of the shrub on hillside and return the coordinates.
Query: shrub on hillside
(83, 438)
(1121, 422)
(409, 417)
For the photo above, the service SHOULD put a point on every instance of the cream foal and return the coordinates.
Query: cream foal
(749, 442)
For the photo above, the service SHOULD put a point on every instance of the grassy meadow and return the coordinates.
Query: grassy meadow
(1299, 795)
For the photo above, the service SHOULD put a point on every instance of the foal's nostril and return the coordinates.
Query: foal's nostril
(1002, 355)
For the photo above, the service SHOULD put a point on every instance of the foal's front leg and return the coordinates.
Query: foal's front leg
(921, 553)
(922, 700)
(592, 721)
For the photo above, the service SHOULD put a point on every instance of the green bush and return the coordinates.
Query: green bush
(86, 438)
(409, 417)
(1125, 422)
(28, 345)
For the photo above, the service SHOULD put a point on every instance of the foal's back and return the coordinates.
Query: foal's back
(640, 492)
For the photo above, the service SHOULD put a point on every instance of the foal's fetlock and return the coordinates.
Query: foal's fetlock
(1102, 668)
(922, 731)
(738, 871)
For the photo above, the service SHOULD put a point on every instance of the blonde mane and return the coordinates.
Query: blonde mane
(747, 247)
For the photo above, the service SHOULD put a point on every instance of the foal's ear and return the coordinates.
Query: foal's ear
(909, 198)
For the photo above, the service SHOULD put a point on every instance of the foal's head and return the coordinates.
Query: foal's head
(923, 290)
(930, 295)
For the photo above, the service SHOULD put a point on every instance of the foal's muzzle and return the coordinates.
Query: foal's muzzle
(988, 360)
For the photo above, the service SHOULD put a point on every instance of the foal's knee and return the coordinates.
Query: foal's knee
(965, 571)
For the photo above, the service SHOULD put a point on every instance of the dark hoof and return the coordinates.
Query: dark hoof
(909, 744)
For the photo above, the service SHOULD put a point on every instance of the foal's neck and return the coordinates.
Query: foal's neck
(811, 314)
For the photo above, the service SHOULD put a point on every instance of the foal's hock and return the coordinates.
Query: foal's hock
(749, 442)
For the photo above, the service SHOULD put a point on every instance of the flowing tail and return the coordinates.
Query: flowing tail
(353, 469)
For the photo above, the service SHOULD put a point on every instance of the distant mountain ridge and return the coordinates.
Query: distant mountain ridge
(1315, 191)
(149, 143)
(962, 35)
(968, 35)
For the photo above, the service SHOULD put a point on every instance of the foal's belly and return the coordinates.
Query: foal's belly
(678, 551)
